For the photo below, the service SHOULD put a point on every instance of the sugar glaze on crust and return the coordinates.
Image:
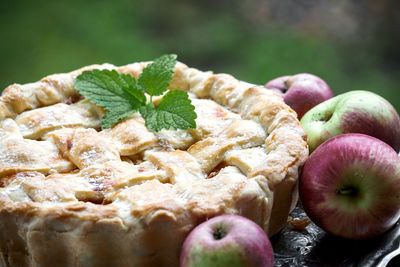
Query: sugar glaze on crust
(73, 195)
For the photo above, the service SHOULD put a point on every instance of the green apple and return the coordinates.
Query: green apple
(353, 112)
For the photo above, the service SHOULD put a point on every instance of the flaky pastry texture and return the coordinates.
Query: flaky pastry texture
(74, 195)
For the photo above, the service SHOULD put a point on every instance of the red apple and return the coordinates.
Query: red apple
(302, 91)
(227, 241)
(350, 186)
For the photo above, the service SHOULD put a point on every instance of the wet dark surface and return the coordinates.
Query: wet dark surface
(313, 247)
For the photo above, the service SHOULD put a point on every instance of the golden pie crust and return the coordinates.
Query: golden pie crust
(74, 195)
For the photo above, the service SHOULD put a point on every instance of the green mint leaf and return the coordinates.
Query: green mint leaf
(111, 118)
(117, 93)
(175, 111)
(156, 77)
(149, 115)
(108, 88)
(133, 88)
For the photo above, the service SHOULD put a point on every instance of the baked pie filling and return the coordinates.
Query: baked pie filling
(72, 194)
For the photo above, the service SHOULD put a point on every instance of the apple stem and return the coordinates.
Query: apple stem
(350, 191)
(219, 233)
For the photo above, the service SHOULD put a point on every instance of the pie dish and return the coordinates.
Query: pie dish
(72, 194)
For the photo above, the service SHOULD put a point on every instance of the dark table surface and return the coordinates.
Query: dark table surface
(313, 247)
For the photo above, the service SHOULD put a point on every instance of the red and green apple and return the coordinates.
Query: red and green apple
(353, 112)
(227, 241)
(350, 186)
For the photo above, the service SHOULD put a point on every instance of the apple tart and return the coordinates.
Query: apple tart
(72, 194)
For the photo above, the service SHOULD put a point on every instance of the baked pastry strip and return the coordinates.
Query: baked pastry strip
(19, 155)
(36, 123)
(131, 136)
(52, 89)
(85, 147)
(241, 133)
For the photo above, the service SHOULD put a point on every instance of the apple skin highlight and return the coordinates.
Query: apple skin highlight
(350, 186)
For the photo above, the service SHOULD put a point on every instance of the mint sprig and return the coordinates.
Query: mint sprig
(121, 95)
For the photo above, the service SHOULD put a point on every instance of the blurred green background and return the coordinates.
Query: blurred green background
(351, 44)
